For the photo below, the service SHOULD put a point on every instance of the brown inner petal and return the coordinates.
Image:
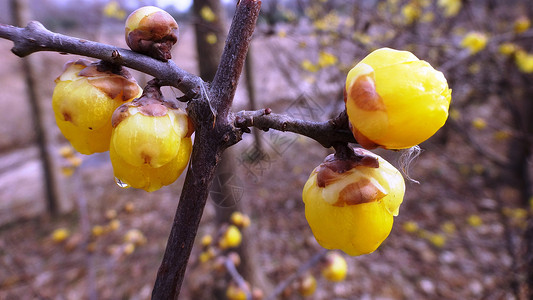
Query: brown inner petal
(331, 169)
(364, 94)
(114, 86)
(361, 191)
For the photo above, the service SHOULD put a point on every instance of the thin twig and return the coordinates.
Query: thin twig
(35, 37)
(232, 270)
(326, 133)
(303, 268)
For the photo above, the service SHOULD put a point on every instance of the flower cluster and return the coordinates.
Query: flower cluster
(394, 101)
(99, 107)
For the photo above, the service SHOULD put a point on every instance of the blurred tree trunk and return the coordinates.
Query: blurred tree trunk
(20, 13)
(210, 32)
(520, 154)
(250, 87)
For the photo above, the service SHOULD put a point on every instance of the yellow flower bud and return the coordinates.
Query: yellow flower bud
(111, 214)
(449, 227)
(152, 31)
(84, 99)
(411, 12)
(135, 236)
(129, 207)
(231, 238)
(240, 220)
(524, 61)
(450, 7)
(60, 235)
(350, 202)
(307, 285)
(479, 123)
(474, 42)
(128, 248)
(410, 226)
(234, 292)
(206, 240)
(507, 48)
(208, 14)
(150, 143)
(394, 100)
(336, 267)
(113, 225)
(522, 24)
(97, 230)
(206, 255)
(437, 240)
(474, 221)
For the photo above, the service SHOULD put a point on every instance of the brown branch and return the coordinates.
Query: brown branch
(326, 133)
(317, 258)
(237, 277)
(214, 133)
(35, 37)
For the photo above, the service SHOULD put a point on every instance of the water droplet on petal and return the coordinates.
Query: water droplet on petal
(121, 184)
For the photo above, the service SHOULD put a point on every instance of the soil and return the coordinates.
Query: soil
(465, 246)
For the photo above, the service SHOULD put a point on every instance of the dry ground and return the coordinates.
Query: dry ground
(452, 256)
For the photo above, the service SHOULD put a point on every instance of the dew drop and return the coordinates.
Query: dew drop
(121, 184)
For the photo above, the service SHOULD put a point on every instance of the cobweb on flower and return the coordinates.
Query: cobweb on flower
(407, 157)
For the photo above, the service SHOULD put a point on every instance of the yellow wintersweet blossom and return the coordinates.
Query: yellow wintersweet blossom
(135, 237)
(474, 220)
(206, 240)
(112, 10)
(98, 230)
(455, 114)
(231, 238)
(362, 38)
(427, 17)
(501, 135)
(524, 61)
(411, 12)
(394, 100)
(207, 255)
(60, 234)
(150, 144)
(336, 267)
(211, 38)
(350, 202)
(84, 99)
(410, 226)
(507, 48)
(437, 239)
(522, 24)
(207, 14)
(234, 292)
(326, 59)
(330, 22)
(307, 285)
(240, 220)
(451, 7)
(474, 41)
(308, 66)
(479, 123)
(449, 227)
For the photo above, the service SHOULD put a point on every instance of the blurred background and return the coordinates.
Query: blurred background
(67, 231)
